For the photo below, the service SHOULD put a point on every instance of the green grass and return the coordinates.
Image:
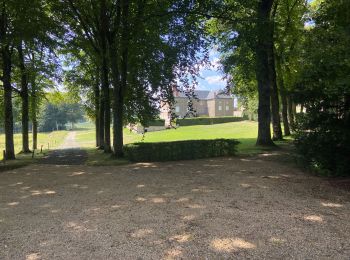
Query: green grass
(47, 140)
(99, 158)
(244, 131)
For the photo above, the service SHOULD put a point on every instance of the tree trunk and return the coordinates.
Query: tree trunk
(34, 100)
(276, 120)
(6, 78)
(97, 110)
(117, 89)
(290, 113)
(283, 96)
(275, 104)
(25, 101)
(285, 112)
(101, 121)
(262, 72)
(104, 74)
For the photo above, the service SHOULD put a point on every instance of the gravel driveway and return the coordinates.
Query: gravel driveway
(226, 208)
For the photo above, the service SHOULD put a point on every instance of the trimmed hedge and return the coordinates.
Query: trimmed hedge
(180, 150)
(156, 122)
(207, 120)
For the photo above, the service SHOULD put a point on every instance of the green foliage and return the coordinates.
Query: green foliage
(323, 138)
(323, 142)
(207, 120)
(59, 111)
(180, 150)
(156, 122)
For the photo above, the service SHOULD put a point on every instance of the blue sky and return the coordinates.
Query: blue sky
(212, 77)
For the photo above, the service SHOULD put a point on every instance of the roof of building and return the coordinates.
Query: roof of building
(206, 94)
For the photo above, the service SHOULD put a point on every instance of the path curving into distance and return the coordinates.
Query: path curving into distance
(69, 153)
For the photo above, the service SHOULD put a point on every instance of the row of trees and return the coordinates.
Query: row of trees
(259, 50)
(124, 56)
(27, 33)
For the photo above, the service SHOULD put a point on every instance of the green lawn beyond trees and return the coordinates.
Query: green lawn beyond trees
(245, 132)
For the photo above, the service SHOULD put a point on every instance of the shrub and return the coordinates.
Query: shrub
(156, 122)
(207, 120)
(180, 150)
(323, 143)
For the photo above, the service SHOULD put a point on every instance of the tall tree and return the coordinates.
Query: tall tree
(7, 43)
(24, 93)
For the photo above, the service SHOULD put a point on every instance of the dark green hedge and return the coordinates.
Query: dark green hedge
(207, 120)
(156, 122)
(180, 150)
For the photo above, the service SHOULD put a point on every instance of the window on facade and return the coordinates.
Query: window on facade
(220, 108)
(177, 109)
(227, 108)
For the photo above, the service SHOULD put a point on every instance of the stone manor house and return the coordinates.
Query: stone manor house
(208, 103)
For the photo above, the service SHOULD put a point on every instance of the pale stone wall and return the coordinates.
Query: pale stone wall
(201, 107)
(212, 108)
(224, 107)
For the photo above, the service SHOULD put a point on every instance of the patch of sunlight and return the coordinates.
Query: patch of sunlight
(181, 238)
(15, 184)
(76, 174)
(77, 227)
(230, 244)
(141, 233)
(33, 256)
(195, 206)
(331, 205)
(189, 217)
(313, 218)
(43, 192)
(15, 203)
(147, 165)
(158, 200)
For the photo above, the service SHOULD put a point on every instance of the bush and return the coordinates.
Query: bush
(207, 120)
(323, 142)
(156, 122)
(180, 150)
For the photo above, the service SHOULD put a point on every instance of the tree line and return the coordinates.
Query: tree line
(125, 56)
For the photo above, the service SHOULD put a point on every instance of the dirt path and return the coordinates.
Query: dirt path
(226, 208)
(69, 153)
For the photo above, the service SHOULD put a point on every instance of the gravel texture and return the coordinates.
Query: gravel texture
(225, 208)
(68, 153)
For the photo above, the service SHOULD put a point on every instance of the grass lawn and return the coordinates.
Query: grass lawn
(52, 139)
(244, 131)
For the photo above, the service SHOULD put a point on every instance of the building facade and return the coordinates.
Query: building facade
(206, 103)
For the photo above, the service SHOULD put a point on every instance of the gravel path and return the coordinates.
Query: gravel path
(225, 208)
(68, 153)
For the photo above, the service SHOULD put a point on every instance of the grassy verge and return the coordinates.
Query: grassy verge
(48, 141)
(99, 158)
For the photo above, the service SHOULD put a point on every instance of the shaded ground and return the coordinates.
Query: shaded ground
(216, 209)
(68, 153)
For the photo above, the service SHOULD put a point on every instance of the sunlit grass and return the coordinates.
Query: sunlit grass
(46, 140)
(244, 131)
